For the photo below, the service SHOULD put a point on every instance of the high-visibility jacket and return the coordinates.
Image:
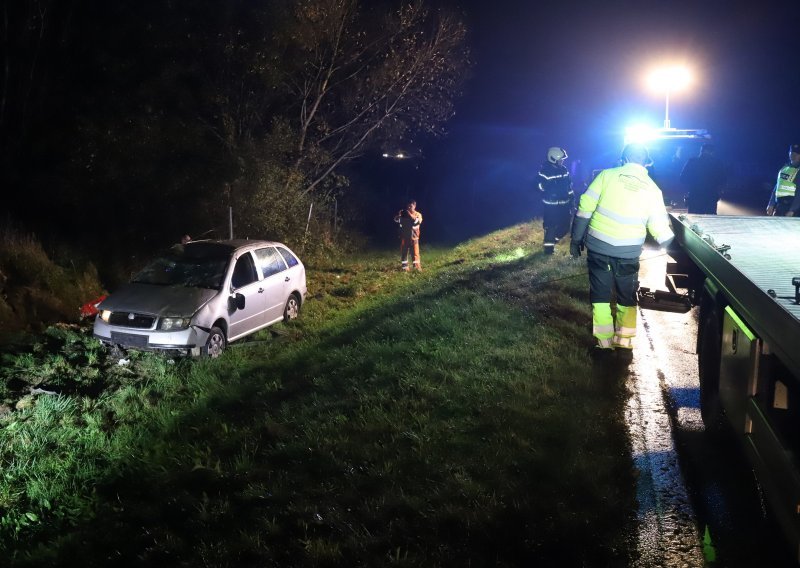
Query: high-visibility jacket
(618, 210)
(786, 186)
(409, 224)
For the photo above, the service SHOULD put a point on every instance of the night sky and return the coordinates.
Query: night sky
(572, 74)
(544, 73)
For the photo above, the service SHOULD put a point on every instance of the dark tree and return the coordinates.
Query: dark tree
(148, 120)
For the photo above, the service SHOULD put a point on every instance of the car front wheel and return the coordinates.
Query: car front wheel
(215, 344)
(292, 309)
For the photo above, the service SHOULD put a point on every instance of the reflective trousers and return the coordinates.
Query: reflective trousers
(412, 246)
(613, 278)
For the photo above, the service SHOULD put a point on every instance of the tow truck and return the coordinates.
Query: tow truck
(748, 341)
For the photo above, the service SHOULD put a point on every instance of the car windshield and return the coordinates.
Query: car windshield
(191, 265)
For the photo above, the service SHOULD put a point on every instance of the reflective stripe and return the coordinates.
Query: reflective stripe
(564, 202)
(603, 330)
(626, 320)
(616, 242)
(559, 176)
(584, 214)
(623, 219)
(592, 193)
(604, 343)
(623, 342)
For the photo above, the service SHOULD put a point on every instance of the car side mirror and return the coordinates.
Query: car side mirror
(237, 301)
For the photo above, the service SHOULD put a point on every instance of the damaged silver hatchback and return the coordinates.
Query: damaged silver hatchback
(196, 298)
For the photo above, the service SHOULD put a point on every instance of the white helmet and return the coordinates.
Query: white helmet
(555, 154)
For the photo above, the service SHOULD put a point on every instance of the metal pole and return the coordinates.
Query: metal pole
(309, 216)
(230, 221)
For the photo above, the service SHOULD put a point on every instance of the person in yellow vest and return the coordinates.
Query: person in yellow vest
(409, 220)
(615, 214)
(784, 201)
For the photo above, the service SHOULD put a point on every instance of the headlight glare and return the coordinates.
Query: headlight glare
(105, 315)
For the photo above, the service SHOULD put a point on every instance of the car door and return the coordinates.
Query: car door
(246, 280)
(272, 268)
(295, 275)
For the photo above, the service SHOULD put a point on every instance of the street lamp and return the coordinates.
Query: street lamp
(666, 80)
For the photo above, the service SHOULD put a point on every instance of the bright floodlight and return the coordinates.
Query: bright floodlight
(668, 79)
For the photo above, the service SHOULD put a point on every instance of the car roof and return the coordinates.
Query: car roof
(234, 244)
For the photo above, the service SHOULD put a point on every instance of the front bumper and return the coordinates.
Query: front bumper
(185, 340)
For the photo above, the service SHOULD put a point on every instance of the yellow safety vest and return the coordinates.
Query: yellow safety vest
(622, 205)
(786, 185)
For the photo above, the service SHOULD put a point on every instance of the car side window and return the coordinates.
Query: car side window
(269, 261)
(244, 272)
(291, 260)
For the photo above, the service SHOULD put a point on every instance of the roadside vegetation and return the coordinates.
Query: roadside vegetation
(38, 288)
(444, 418)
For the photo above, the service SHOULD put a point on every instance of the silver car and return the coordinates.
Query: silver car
(196, 298)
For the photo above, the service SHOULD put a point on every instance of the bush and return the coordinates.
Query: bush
(34, 290)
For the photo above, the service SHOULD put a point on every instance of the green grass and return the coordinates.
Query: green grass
(443, 418)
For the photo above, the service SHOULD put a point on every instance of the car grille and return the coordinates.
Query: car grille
(129, 319)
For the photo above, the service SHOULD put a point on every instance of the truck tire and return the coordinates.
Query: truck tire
(709, 355)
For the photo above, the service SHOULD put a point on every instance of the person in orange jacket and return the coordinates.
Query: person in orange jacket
(409, 220)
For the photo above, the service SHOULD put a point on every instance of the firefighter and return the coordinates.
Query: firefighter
(557, 197)
(614, 215)
(784, 201)
(409, 220)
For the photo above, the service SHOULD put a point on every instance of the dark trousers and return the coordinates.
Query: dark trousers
(702, 203)
(557, 220)
(782, 206)
(608, 274)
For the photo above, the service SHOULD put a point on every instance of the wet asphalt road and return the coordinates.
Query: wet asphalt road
(700, 504)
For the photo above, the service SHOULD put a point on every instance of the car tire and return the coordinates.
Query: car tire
(292, 308)
(215, 344)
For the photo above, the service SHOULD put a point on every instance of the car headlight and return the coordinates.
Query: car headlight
(105, 315)
(173, 324)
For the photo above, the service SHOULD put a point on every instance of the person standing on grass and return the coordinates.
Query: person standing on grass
(614, 216)
(558, 199)
(409, 220)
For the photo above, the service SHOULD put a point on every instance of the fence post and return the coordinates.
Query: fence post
(310, 207)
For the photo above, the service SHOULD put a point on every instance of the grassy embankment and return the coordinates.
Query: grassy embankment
(443, 418)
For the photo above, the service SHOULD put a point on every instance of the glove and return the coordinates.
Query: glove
(575, 249)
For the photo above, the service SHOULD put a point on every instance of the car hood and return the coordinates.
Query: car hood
(158, 300)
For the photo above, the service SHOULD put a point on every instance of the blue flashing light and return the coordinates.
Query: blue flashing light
(639, 134)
